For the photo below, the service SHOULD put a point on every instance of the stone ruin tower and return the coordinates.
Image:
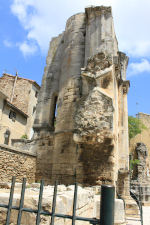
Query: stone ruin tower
(85, 82)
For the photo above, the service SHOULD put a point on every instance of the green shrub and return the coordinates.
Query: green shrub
(135, 126)
(24, 136)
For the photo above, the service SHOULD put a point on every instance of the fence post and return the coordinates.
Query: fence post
(107, 205)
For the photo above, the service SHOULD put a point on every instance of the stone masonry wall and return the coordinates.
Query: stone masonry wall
(142, 154)
(44, 148)
(85, 78)
(145, 118)
(22, 89)
(14, 162)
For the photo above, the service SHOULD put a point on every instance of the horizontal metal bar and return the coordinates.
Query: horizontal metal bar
(87, 219)
(4, 206)
(17, 208)
(69, 216)
(55, 215)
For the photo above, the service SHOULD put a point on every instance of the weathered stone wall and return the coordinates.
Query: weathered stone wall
(145, 118)
(31, 111)
(22, 89)
(45, 150)
(141, 173)
(14, 162)
(86, 77)
(142, 156)
(64, 161)
(22, 143)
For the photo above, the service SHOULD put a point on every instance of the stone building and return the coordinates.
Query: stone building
(81, 124)
(18, 100)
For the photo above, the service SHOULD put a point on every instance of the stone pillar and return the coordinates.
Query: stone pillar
(89, 139)
(100, 35)
(123, 86)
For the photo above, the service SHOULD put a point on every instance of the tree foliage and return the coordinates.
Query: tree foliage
(133, 163)
(135, 126)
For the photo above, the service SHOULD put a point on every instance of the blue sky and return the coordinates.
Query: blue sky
(27, 26)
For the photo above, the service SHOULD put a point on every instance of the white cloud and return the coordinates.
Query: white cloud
(138, 68)
(131, 19)
(136, 49)
(27, 49)
(44, 19)
(8, 44)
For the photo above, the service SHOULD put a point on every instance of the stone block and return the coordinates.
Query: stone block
(119, 210)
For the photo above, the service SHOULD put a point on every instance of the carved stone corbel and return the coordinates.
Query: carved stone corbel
(126, 85)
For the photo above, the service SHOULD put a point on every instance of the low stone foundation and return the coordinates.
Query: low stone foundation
(15, 162)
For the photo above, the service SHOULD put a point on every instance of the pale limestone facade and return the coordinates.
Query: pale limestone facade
(85, 77)
(15, 127)
(21, 100)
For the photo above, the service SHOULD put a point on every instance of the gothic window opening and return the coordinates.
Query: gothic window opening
(36, 94)
(55, 111)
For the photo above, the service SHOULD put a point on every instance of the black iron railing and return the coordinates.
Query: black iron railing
(138, 198)
(106, 209)
(126, 193)
(39, 210)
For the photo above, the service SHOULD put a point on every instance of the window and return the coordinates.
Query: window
(34, 108)
(36, 94)
(12, 115)
(55, 111)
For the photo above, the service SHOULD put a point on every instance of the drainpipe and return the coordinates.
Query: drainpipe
(14, 86)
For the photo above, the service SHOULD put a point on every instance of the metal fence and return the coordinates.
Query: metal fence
(110, 196)
(132, 199)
